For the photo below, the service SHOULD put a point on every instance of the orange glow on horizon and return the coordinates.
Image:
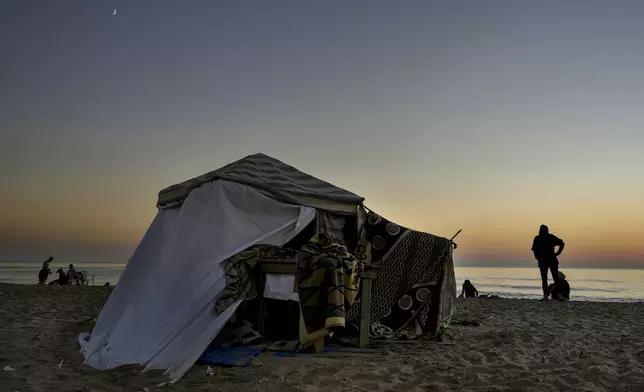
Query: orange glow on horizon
(500, 227)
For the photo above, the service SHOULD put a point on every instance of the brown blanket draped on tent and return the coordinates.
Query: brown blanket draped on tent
(327, 279)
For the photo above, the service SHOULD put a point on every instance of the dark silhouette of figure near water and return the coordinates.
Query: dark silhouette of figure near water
(469, 291)
(62, 278)
(543, 248)
(44, 273)
(560, 291)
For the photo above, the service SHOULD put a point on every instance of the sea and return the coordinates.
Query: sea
(587, 284)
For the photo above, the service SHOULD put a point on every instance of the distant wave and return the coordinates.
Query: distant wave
(538, 287)
(538, 279)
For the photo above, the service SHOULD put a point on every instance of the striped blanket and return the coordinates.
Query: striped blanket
(327, 281)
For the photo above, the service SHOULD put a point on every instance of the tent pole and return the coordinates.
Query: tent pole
(365, 313)
(457, 233)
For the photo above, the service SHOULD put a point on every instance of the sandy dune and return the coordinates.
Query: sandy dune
(518, 345)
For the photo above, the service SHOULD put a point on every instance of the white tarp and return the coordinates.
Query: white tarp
(161, 312)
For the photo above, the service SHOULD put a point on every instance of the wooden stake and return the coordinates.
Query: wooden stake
(365, 313)
(457, 233)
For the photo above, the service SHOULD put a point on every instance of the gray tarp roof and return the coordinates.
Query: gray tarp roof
(276, 179)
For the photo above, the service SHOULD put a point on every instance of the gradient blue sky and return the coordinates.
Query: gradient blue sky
(491, 116)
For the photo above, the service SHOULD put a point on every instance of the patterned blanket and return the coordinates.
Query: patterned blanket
(405, 294)
(327, 281)
(410, 266)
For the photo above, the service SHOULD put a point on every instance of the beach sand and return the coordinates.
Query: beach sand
(518, 345)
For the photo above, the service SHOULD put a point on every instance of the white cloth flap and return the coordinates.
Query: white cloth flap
(161, 312)
(280, 286)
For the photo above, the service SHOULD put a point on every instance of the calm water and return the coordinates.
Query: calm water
(586, 284)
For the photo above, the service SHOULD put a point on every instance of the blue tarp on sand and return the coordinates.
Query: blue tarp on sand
(231, 356)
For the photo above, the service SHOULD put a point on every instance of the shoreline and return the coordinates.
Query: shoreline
(518, 297)
(596, 285)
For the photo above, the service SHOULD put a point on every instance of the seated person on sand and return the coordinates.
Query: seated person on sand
(44, 273)
(560, 290)
(62, 278)
(72, 275)
(81, 277)
(469, 291)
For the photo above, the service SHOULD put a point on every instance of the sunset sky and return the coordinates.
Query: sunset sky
(488, 116)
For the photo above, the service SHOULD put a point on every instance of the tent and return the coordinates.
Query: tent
(161, 314)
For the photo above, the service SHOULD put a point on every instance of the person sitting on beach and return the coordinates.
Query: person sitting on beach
(543, 248)
(469, 291)
(561, 290)
(62, 278)
(72, 276)
(81, 278)
(45, 271)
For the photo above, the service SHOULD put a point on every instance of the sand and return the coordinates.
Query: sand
(518, 345)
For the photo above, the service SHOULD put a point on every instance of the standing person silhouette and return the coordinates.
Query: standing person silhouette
(45, 271)
(543, 248)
